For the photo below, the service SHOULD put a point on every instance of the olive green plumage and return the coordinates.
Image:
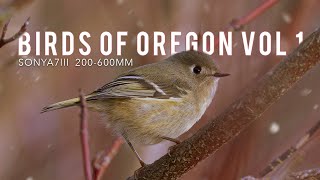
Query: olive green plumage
(163, 99)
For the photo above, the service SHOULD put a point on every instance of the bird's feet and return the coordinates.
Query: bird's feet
(136, 172)
(171, 149)
(142, 163)
(171, 139)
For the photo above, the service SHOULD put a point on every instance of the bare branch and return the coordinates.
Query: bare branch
(22, 30)
(288, 153)
(84, 136)
(311, 174)
(238, 116)
(103, 159)
(237, 24)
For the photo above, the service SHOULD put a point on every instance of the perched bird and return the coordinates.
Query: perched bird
(158, 101)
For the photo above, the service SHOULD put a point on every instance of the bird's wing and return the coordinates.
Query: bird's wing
(135, 86)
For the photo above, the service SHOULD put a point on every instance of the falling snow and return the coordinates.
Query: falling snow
(49, 146)
(130, 12)
(13, 53)
(235, 44)
(120, 2)
(248, 178)
(287, 18)
(274, 128)
(269, 73)
(305, 92)
(140, 24)
(206, 7)
(134, 40)
(35, 76)
(30, 178)
(316, 106)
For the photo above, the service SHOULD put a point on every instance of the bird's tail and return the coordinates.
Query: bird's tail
(62, 104)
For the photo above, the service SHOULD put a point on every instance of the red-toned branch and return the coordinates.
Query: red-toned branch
(238, 23)
(238, 116)
(22, 30)
(103, 159)
(84, 136)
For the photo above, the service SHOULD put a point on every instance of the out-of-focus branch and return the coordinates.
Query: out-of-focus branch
(238, 116)
(84, 136)
(238, 23)
(288, 153)
(310, 174)
(19, 4)
(103, 159)
(22, 30)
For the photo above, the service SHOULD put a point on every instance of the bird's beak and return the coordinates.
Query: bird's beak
(217, 74)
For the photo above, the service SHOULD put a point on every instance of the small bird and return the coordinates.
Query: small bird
(155, 102)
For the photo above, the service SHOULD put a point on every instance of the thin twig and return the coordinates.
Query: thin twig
(103, 159)
(84, 136)
(288, 153)
(238, 116)
(22, 30)
(237, 23)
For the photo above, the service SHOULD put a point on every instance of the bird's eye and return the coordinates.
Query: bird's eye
(197, 69)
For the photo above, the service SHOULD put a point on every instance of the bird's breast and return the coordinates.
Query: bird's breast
(206, 96)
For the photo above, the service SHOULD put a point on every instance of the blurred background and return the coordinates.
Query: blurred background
(36, 146)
